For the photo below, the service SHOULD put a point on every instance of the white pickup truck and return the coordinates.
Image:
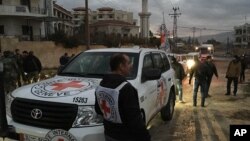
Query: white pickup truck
(62, 108)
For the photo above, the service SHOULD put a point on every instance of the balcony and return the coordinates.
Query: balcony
(9, 10)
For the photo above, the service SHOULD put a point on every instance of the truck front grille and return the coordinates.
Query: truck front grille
(50, 115)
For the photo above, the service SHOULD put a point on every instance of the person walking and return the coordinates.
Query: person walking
(212, 70)
(232, 74)
(122, 121)
(199, 71)
(243, 68)
(179, 76)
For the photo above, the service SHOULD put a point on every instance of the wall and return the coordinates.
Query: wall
(46, 51)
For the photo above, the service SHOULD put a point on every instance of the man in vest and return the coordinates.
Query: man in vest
(117, 101)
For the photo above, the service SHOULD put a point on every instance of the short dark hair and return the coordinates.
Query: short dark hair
(173, 59)
(116, 60)
(209, 57)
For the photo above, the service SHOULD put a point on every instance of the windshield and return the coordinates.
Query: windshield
(96, 65)
(204, 51)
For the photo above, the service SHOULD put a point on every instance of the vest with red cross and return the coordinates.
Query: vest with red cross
(107, 99)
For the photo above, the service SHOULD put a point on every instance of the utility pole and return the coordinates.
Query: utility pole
(87, 25)
(227, 45)
(175, 15)
(194, 30)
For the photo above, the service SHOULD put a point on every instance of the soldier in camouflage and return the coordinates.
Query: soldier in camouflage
(11, 72)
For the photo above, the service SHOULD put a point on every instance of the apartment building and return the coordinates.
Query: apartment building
(107, 20)
(63, 21)
(25, 19)
(242, 36)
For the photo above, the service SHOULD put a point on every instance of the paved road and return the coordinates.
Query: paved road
(210, 123)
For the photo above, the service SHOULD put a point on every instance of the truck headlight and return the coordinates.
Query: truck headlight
(8, 101)
(86, 116)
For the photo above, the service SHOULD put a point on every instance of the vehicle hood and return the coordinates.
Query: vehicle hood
(61, 89)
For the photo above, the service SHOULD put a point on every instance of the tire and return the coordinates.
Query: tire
(168, 110)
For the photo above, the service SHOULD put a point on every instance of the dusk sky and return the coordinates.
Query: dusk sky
(210, 14)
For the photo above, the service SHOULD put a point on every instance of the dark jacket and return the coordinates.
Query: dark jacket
(132, 127)
(211, 69)
(179, 70)
(199, 71)
(31, 64)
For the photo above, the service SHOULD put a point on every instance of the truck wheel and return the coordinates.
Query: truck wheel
(168, 110)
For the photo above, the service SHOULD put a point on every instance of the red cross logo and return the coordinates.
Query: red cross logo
(105, 108)
(72, 84)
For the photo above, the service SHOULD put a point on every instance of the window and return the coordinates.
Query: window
(165, 61)
(100, 16)
(158, 62)
(111, 16)
(1, 29)
(26, 29)
(83, 64)
(147, 62)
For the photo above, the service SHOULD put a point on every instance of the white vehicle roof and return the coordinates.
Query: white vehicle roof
(133, 50)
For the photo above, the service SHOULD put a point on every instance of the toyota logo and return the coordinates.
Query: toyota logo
(36, 114)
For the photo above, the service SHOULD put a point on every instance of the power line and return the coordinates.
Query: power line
(171, 3)
(205, 28)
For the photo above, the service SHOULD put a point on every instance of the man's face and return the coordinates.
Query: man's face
(126, 67)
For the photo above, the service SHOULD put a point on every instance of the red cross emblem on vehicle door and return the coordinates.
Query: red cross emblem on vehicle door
(105, 108)
(62, 86)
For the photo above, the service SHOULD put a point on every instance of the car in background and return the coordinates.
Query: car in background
(62, 107)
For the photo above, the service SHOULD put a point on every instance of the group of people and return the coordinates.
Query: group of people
(64, 59)
(203, 73)
(20, 69)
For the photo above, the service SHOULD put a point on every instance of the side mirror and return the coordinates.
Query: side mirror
(150, 74)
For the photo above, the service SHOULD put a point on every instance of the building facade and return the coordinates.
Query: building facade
(63, 21)
(107, 20)
(242, 36)
(24, 19)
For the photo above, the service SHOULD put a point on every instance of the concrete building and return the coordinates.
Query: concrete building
(107, 20)
(144, 23)
(242, 36)
(24, 19)
(78, 16)
(64, 20)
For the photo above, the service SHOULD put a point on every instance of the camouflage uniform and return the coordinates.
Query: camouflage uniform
(10, 72)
